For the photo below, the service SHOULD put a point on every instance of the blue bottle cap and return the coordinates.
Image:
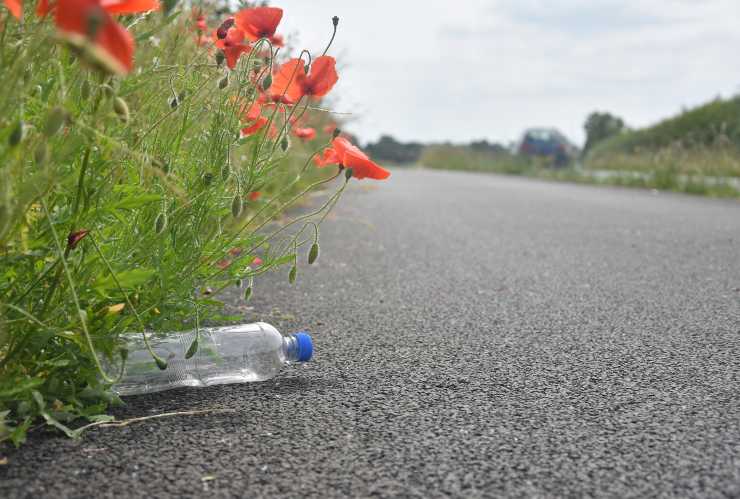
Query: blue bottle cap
(305, 346)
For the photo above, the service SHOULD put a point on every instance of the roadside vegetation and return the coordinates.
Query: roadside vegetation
(145, 150)
(696, 152)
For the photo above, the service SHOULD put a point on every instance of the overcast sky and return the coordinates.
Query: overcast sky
(435, 70)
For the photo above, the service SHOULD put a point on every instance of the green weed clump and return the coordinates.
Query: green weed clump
(128, 202)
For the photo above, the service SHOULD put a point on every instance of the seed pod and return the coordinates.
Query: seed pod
(40, 154)
(161, 363)
(225, 171)
(207, 179)
(284, 143)
(220, 58)
(160, 223)
(236, 206)
(123, 352)
(267, 82)
(121, 109)
(16, 136)
(248, 293)
(313, 253)
(55, 121)
(348, 173)
(85, 89)
(238, 283)
(223, 82)
(335, 21)
(192, 349)
(293, 273)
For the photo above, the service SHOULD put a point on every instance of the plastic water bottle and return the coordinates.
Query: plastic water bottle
(230, 354)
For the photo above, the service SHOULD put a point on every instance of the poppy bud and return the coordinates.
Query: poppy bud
(161, 363)
(74, 238)
(192, 349)
(207, 179)
(313, 253)
(121, 109)
(16, 136)
(174, 103)
(220, 58)
(284, 143)
(225, 171)
(348, 173)
(40, 154)
(85, 89)
(236, 206)
(306, 68)
(248, 293)
(160, 223)
(292, 275)
(123, 352)
(223, 82)
(267, 82)
(335, 21)
(336, 133)
(238, 283)
(54, 121)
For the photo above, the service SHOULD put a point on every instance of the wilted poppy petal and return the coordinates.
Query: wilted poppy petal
(15, 7)
(129, 6)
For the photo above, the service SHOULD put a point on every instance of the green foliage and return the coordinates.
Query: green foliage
(599, 127)
(701, 141)
(160, 191)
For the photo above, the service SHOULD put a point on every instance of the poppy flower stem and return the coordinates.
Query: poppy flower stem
(335, 23)
(160, 362)
(73, 291)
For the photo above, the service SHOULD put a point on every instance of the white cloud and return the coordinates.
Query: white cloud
(438, 70)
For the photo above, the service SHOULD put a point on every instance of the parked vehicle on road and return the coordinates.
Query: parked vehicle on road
(547, 143)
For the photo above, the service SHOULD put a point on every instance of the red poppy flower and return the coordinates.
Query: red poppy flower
(111, 47)
(306, 133)
(74, 238)
(260, 22)
(253, 118)
(15, 7)
(343, 153)
(110, 6)
(231, 40)
(254, 196)
(291, 79)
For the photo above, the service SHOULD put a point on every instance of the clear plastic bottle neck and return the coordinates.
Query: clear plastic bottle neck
(290, 348)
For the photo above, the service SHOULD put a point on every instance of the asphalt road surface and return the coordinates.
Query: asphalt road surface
(476, 336)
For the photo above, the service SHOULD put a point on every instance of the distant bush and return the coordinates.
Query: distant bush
(389, 149)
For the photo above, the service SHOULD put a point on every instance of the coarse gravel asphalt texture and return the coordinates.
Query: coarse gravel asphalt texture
(476, 336)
